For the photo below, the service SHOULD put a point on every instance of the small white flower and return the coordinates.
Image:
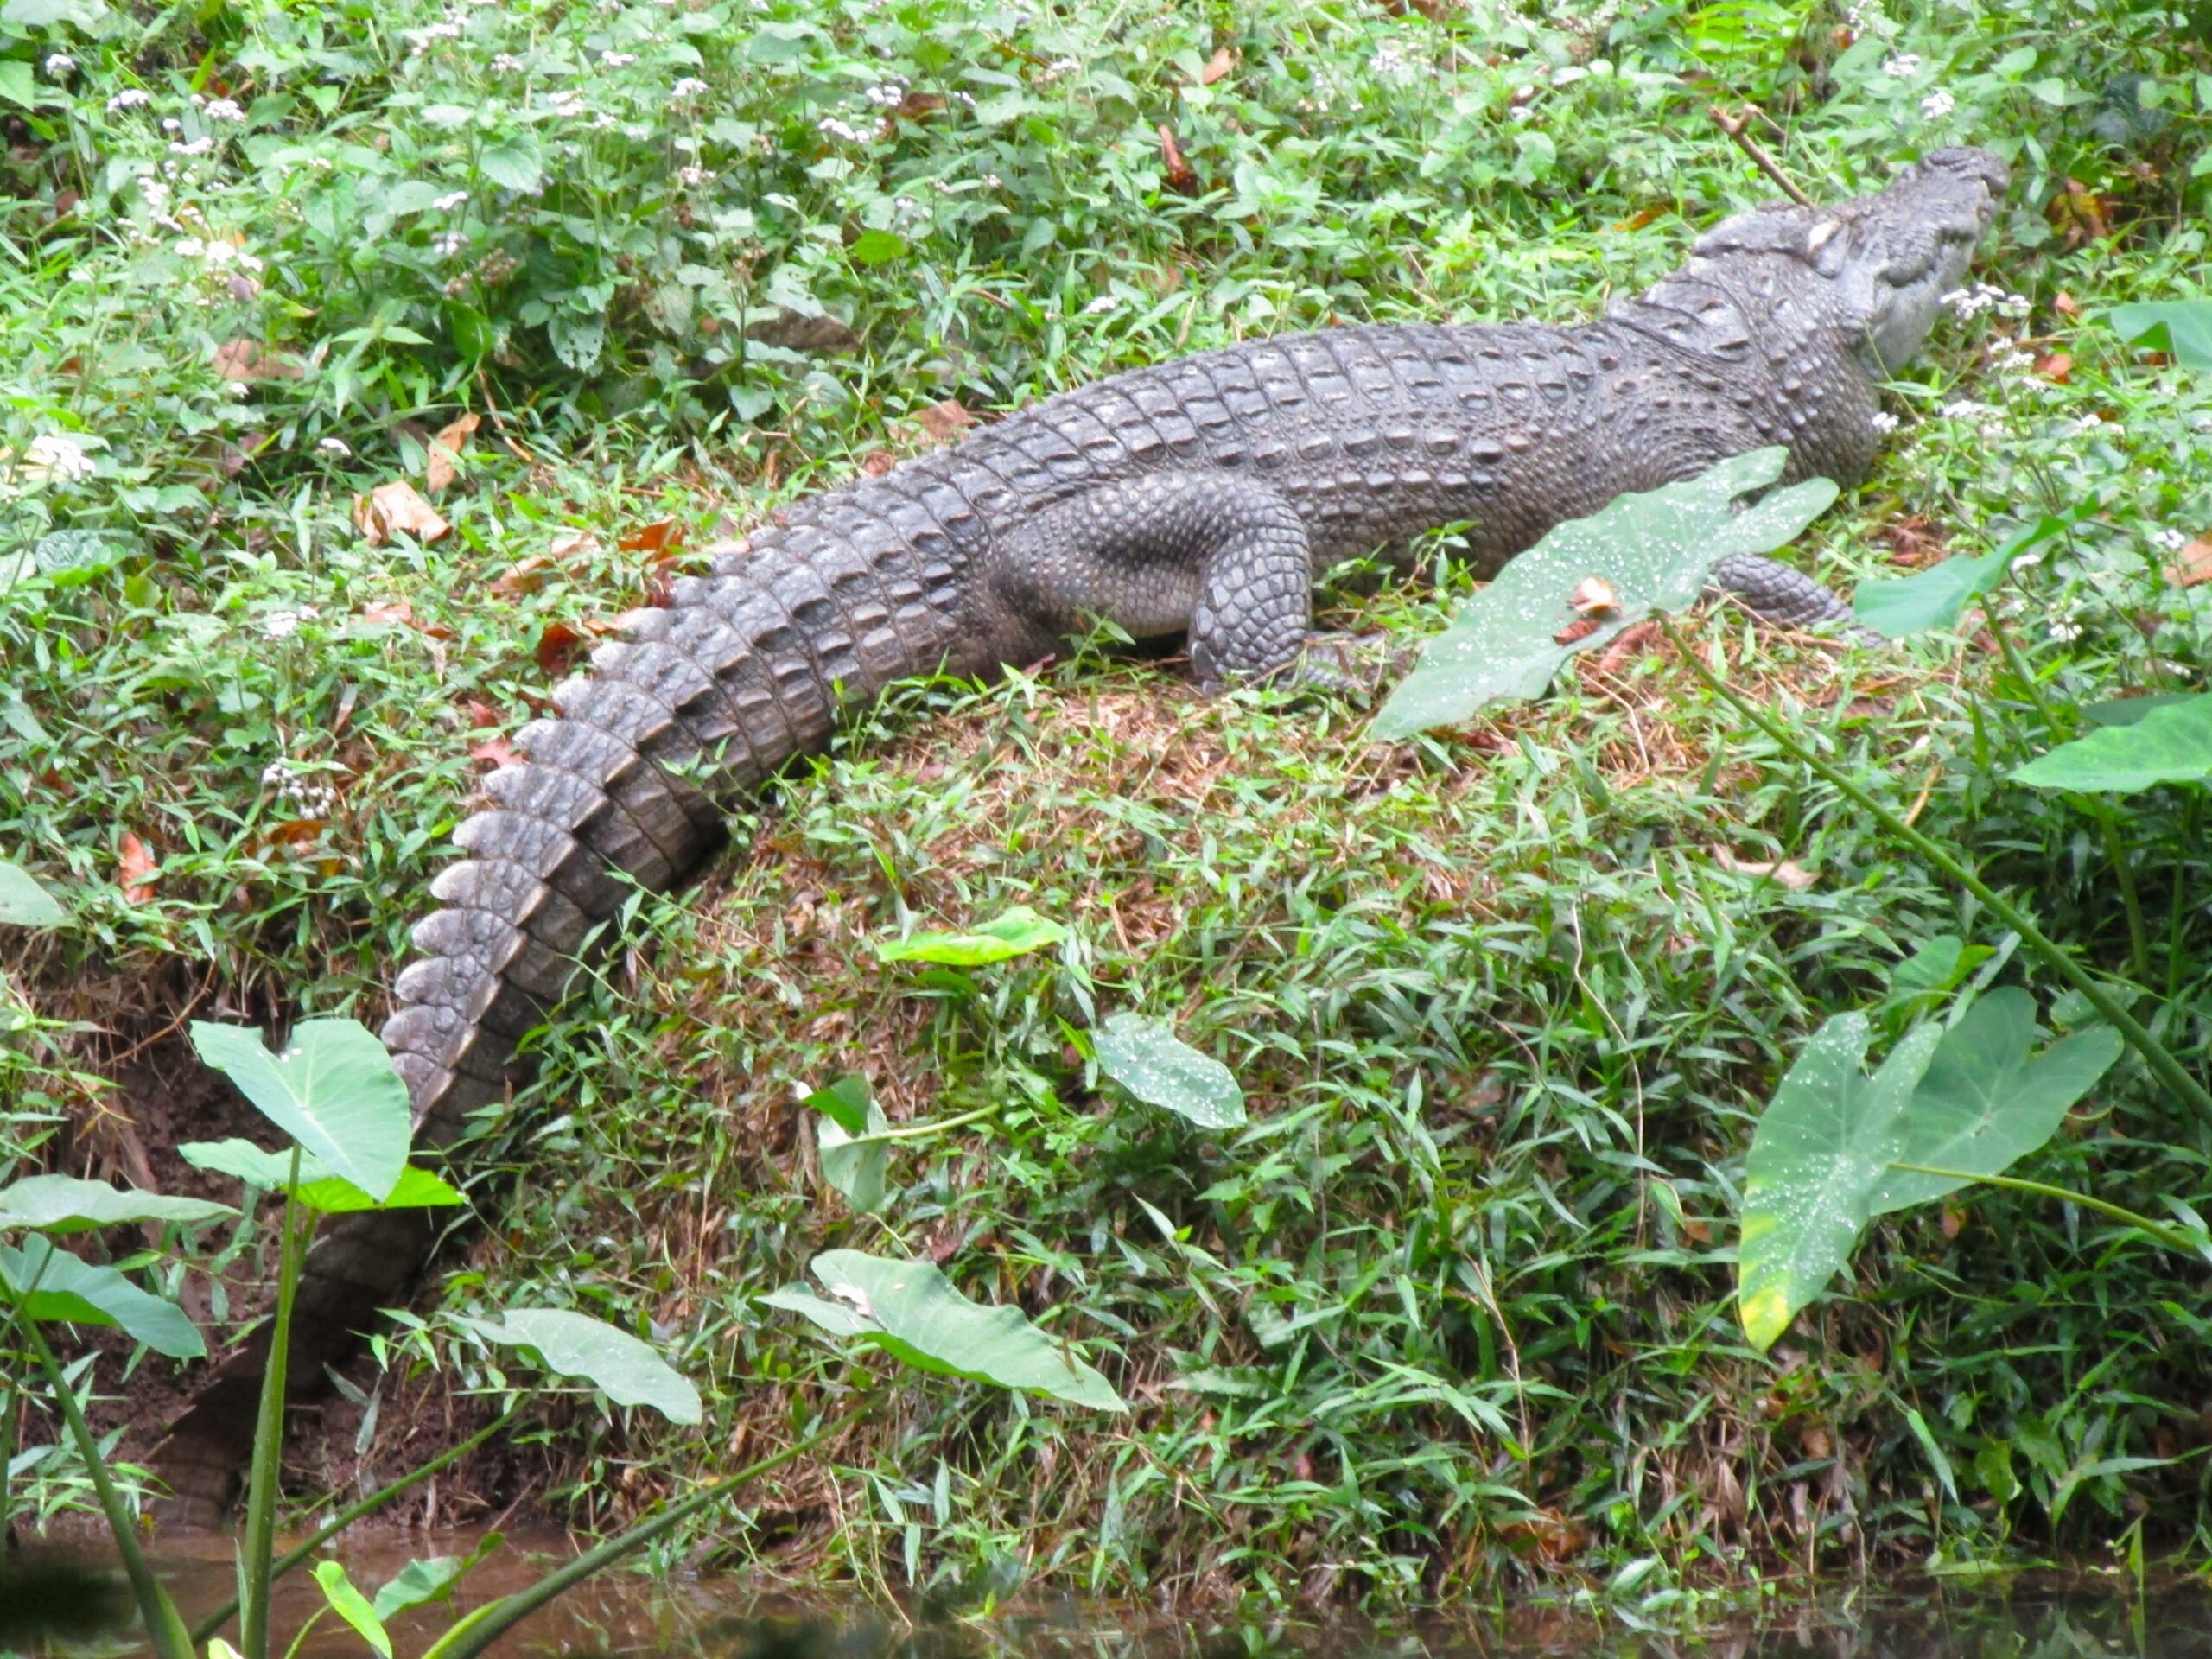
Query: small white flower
(1903, 66)
(59, 66)
(170, 123)
(1937, 104)
(506, 64)
(611, 59)
(1389, 63)
(2172, 540)
(889, 95)
(198, 146)
(225, 109)
(1965, 408)
(1884, 422)
(129, 97)
(2025, 561)
(449, 242)
(690, 86)
(283, 624)
(603, 120)
(837, 127)
(450, 200)
(1100, 306)
(60, 454)
(692, 177)
(2062, 632)
(337, 447)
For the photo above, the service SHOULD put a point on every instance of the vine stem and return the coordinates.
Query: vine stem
(2168, 1069)
(2173, 1238)
(2138, 936)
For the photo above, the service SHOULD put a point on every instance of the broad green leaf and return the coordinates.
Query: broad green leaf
(62, 1204)
(513, 163)
(23, 902)
(2181, 328)
(2125, 711)
(845, 1101)
(1655, 550)
(1938, 965)
(318, 1189)
(876, 247)
(835, 1318)
(853, 1164)
(1985, 1101)
(2170, 743)
(17, 84)
(1829, 1136)
(419, 1583)
(624, 1369)
(416, 1189)
(352, 1606)
(75, 557)
(1142, 1053)
(334, 1091)
(1020, 930)
(50, 1285)
(1938, 596)
(911, 1311)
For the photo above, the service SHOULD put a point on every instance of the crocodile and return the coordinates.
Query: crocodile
(1199, 496)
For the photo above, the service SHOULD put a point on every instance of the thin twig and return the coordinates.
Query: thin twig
(1736, 127)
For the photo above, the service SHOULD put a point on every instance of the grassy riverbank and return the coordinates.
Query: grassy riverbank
(1455, 1312)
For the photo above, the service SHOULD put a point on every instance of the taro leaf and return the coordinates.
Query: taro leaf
(1938, 965)
(1984, 1102)
(1143, 1054)
(72, 557)
(1828, 1136)
(318, 1189)
(352, 1606)
(845, 1102)
(1938, 596)
(334, 1091)
(1018, 931)
(2171, 744)
(23, 902)
(911, 1311)
(421, 1582)
(2182, 328)
(49, 1285)
(624, 1369)
(850, 1162)
(62, 1204)
(1655, 550)
(2125, 711)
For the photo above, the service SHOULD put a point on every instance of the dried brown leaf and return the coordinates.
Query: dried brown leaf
(1795, 877)
(446, 449)
(1179, 175)
(249, 359)
(2192, 566)
(137, 871)
(944, 421)
(395, 509)
(1216, 66)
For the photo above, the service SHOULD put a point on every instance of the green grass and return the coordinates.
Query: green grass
(1454, 1313)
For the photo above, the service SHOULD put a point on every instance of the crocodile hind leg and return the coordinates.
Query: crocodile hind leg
(1224, 558)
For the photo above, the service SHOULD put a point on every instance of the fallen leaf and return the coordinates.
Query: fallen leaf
(249, 359)
(557, 647)
(1795, 877)
(665, 536)
(395, 509)
(481, 713)
(494, 752)
(2057, 367)
(1639, 639)
(1637, 220)
(2192, 566)
(1915, 542)
(293, 832)
(918, 107)
(570, 542)
(1216, 66)
(944, 421)
(398, 614)
(446, 449)
(1954, 1222)
(796, 333)
(877, 462)
(137, 871)
(1179, 176)
(2066, 305)
(1581, 628)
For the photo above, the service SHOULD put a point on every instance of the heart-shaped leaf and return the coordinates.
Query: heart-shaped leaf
(334, 1091)
(911, 1311)
(2181, 328)
(318, 1189)
(625, 1369)
(1825, 1140)
(62, 1204)
(1143, 1054)
(851, 1162)
(352, 1606)
(49, 1284)
(1020, 930)
(2170, 743)
(1651, 551)
(1986, 1101)
(23, 902)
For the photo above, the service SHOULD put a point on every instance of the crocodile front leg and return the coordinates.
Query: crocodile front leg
(1223, 557)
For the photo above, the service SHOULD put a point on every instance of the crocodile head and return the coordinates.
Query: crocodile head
(1883, 263)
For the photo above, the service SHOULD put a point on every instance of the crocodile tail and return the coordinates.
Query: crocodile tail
(622, 790)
